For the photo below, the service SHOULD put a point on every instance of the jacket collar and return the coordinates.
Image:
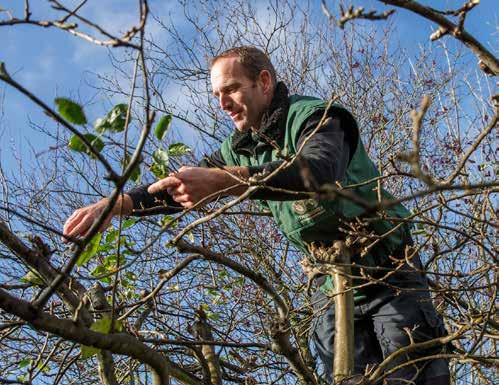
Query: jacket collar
(271, 128)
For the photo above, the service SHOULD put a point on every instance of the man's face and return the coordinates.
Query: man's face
(243, 99)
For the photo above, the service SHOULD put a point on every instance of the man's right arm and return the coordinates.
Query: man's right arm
(137, 202)
(78, 224)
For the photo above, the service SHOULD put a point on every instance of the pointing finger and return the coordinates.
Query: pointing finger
(163, 184)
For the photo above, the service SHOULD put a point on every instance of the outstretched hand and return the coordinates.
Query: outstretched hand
(190, 185)
(78, 224)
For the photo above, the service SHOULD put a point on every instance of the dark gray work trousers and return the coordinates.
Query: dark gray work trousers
(379, 323)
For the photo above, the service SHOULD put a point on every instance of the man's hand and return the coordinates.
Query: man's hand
(190, 185)
(78, 224)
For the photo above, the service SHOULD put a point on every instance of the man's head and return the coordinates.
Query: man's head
(243, 81)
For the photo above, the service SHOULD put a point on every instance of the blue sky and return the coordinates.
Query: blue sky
(54, 63)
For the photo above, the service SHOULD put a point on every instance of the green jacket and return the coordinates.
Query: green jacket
(310, 220)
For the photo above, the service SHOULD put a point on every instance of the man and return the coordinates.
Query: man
(271, 124)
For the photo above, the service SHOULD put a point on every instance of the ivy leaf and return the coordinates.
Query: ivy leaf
(76, 144)
(70, 111)
(114, 121)
(162, 126)
(88, 351)
(33, 278)
(102, 325)
(90, 250)
(178, 149)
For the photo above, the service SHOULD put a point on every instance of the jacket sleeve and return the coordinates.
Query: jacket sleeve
(145, 203)
(324, 158)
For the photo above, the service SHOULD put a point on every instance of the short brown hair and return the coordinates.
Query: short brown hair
(252, 59)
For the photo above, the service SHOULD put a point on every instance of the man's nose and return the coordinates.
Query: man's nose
(225, 102)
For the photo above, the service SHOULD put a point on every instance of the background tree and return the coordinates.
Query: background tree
(215, 295)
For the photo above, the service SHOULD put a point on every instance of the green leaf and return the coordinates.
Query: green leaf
(131, 276)
(178, 149)
(106, 247)
(88, 351)
(110, 261)
(114, 121)
(111, 236)
(76, 144)
(223, 274)
(102, 325)
(127, 223)
(212, 291)
(70, 111)
(135, 175)
(43, 368)
(160, 165)
(159, 171)
(24, 362)
(213, 316)
(162, 126)
(101, 270)
(90, 250)
(168, 221)
(160, 156)
(34, 278)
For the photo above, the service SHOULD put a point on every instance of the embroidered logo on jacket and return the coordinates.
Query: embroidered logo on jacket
(307, 208)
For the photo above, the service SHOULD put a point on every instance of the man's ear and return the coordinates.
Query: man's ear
(266, 81)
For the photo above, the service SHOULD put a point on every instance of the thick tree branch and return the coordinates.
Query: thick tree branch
(488, 61)
(119, 343)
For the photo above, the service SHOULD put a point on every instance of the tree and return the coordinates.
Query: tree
(214, 295)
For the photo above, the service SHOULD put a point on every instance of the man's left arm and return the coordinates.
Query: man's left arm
(323, 159)
(325, 155)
